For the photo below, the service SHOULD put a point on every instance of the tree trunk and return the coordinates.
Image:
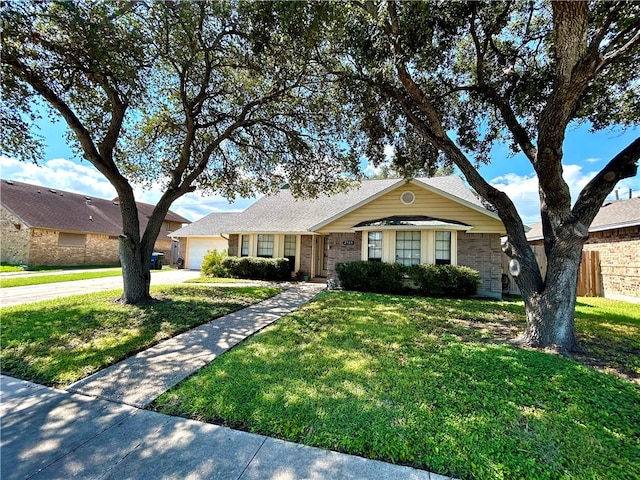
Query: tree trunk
(135, 253)
(136, 272)
(550, 312)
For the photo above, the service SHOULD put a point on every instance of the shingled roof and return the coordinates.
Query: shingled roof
(52, 209)
(281, 212)
(617, 214)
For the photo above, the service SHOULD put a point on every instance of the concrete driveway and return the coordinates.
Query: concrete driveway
(33, 293)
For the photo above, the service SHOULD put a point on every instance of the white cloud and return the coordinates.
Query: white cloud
(85, 179)
(370, 170)
(59, 173)
(523, 189)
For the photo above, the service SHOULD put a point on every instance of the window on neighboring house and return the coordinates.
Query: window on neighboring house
(244, 245)
(443, 248)
(265, 246)
(408, 248)
(290, 250)
(374, 242)
(71, 239)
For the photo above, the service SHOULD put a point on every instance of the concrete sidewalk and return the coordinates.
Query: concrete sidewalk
(140, 379)
(97, 430)
(51, 434)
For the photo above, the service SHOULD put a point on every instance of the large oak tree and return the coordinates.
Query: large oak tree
(454, 78)
(217, 95)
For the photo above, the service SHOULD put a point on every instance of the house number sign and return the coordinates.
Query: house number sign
(349, 242)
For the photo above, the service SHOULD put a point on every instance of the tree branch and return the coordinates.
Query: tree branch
(105, 165)
(623, 165)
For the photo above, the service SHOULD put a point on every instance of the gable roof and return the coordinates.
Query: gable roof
(281, 212)
(51, 209)
(214, 224)
(617, 214)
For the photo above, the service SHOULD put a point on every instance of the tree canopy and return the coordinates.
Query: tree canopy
(455, 78)
(219, 95)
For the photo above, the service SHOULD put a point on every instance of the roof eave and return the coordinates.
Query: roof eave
(462, 228)
(456, 199)
(357, 205)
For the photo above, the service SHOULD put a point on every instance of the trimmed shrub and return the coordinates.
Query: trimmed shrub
(371, 276)
(212, 264)
(257, 268)
(445, 280)
(426, 280)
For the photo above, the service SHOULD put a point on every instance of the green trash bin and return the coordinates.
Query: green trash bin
(156, 260)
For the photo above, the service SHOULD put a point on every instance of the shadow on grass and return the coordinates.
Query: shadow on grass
(390, 381)
(57, 343)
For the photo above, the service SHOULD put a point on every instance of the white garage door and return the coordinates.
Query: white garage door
(198, 247)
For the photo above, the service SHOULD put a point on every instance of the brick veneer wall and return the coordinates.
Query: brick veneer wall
(97, 250)
(306, 253)
(339, 252)
(14, 244)
(619, 251)
(482, 252)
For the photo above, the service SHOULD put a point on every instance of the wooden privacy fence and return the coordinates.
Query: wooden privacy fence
(589, 276)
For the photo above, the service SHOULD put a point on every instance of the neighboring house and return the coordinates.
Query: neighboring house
(202, 236)
(615, 234)
(45, 226)
(426, 220)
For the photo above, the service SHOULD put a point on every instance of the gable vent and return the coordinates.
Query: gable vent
(407, 198)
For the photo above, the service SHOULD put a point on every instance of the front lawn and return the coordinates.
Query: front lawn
(431, 383)
(30, 279)
(221, 280)
(58, 342)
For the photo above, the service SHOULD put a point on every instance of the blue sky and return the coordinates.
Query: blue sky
(585, 153)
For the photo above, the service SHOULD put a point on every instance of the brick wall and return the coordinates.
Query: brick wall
(97, 250)
(619, 251)
(339, 252)
(482, 252)
(14, 244)
(306, 253)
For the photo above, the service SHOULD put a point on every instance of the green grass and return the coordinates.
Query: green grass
(25, 280)
(430, 383)
(219, 280)
(4, 267)
(58, 342)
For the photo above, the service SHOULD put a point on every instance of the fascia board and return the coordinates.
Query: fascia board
(346, 211)
(456, 199)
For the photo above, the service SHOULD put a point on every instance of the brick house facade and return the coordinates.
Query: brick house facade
(41, 226)
(431, 220)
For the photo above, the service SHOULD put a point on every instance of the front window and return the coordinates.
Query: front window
(244, 248)
(265, 246)
(408, 248)
(374, 242)
(443, 248)
(290, 250)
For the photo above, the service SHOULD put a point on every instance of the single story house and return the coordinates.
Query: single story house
(426, 220)
(615, 235)
(202, 236)
(45, 226)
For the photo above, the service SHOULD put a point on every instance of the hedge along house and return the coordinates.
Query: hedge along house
(426, 220)
(45, 226)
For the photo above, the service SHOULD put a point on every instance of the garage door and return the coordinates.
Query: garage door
(198, 248)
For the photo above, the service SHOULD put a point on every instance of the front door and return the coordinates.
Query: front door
(322, 255)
